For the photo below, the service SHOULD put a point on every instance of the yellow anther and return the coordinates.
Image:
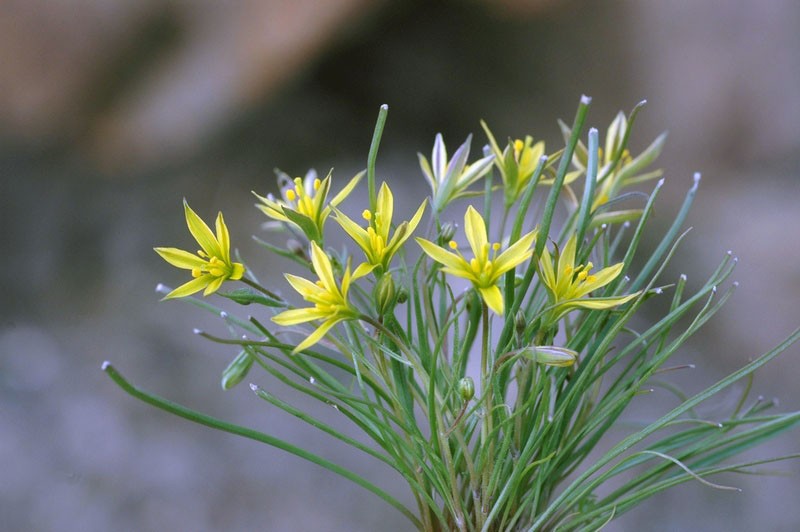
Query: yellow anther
(366, 215)
(196, 272)
(518, 145)
(453, 244)
(290, 195)
(317, 184)
(216, 272)
(582, 275)
(496, 247)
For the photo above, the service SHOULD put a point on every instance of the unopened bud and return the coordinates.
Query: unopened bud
(549, 355)
(297, 248)
(385, 294)
(466, 388)
(447, 233)
(402, 295)
(236, 370)
(520, 322)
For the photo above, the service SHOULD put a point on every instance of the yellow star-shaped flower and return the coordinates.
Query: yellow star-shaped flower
(376, 242)
(212, 264)
(488, 264)
(303, 202)
(568, 283)
(330, 300)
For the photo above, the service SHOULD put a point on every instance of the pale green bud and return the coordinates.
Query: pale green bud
(447, 233)
(466, 388)
(549, 355)
(385, 294)
(402, 295)
(236, 370)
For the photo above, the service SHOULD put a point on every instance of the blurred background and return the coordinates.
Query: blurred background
(112, 112)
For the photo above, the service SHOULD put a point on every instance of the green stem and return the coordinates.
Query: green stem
(373, 156)
(214, 423)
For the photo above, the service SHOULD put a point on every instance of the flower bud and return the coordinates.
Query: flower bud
(549, 355)
(466, 388)
(520, 322)
(447, 233)
(385, 294)
(296, 247)
(236, 370)
(402, 295)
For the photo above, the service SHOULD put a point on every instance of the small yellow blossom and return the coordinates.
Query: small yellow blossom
(517, 163)
(375, 240)
(303, 202)
(330, 300)
(487, 266)
(569, 283)
(212, 264)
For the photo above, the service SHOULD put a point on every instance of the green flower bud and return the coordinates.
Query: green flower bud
(549, 355)
(402, 295)
(385, 295)
(236, 370)
(447, 233)
(466, 388)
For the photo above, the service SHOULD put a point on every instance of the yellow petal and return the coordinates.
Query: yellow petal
(180, 258)
(567, 258)
(451, 260)
(385, 206)
(201, 232)
(224, 239)
(601, 278)
(298, 315)
(237, 271)
(493, 298)
(303, 286)
(346, 190)
(399, 239)
(317, 335)
(514, 255)
(213, 285)
(475, 229)
(546, 271)
(322, 265)
(356, 232)
(187, 289)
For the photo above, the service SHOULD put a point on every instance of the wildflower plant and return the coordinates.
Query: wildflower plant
(498, 400)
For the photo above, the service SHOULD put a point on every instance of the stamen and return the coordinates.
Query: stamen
(317, 184)
(496, 247)
(453, 244)
(366, 215)
(290, 195)
(196, 272)
(518, 145)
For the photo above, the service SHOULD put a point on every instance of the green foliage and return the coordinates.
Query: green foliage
(528, 436)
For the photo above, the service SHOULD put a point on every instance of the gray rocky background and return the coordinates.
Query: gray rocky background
(111, 112)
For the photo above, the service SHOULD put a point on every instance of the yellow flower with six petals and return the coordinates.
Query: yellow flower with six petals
(568, 283)
(488, 264)
(330, 300)
(212, 264)
(375, 241)
(303, 202)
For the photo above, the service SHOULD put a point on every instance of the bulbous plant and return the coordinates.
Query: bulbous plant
(386, 334)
